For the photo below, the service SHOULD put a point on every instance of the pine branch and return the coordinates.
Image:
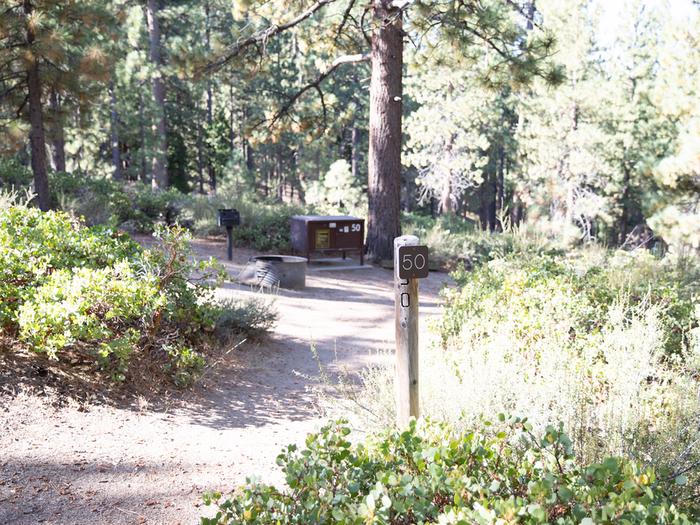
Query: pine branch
(5, 93)
(16, 5)
(22, 106)
(346, 16)
(262, 36)
(316, 85)
(367, 37)
(529, 17)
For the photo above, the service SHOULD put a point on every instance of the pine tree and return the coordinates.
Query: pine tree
(160, 161)
(49, 48)
(494, 25)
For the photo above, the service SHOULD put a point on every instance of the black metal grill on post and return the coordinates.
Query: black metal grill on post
(228, 218)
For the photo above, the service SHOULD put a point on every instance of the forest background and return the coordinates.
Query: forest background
(577, 118)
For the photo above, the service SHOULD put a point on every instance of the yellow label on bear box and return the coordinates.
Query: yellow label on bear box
(323, 239)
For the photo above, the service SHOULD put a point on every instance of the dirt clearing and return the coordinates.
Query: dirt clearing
(149, 460)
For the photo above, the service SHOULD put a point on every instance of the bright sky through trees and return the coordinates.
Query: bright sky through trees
(612, 10)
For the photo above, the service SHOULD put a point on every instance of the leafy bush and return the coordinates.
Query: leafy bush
(96, 200)
(268, 231)
(607, 344)
(150, 207)
(590, 287)
(434, 474)
(139, 208)
(14, 175)
(135, 206)
(35, 244)
(67, 287)
(455, 241)
(264, 226)
(250, 318)
(91, 306)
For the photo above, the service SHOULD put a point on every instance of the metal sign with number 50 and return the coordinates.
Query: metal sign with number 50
(413, 262)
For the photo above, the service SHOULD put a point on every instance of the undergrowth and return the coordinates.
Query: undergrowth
(606, 343)
(434, 474)
(69, 291)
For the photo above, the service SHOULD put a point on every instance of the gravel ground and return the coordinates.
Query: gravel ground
(68, 460)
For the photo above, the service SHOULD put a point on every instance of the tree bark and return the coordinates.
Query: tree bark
(58, 139)
(249, 157)
(232, 138)
(200, 159)
(160, 161)
(355, 153)
(624, 219)
(37, 138)
(501, 179)
(487, 197)
(210, 105)
(384, 164)
(114, 134)
(142, 135)
(445, 207)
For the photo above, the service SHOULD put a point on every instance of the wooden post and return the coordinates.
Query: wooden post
(406, 339)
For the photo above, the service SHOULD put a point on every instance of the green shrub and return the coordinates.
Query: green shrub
(35, 244)
(138, 207)
(98, 307)
(267, 231)
(14, 175)
(606, 344)
(67, 287)
(93, 199)
(248, 317)
(526, 285)
(184, 364)
(135, 206)
(455, 241)
(264, 226)
(150, 207)
(433, 474)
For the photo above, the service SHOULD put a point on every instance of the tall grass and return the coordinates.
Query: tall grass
(455, 241)
(592, 342)
(264, 226)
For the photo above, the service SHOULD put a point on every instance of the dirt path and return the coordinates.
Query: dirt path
(140, 464)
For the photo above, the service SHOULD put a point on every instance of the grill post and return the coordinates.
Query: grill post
(229, 234)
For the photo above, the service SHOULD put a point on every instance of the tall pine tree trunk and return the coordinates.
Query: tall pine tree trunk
(142, 136)
(210, 106)
(37, 138)
(355, 154)
(58, 140)
(500, 203)
(231, 121)
(200, 159)
(114, 133)
(384, 164)
(623, 221)
(445, 207)
(160, 160)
